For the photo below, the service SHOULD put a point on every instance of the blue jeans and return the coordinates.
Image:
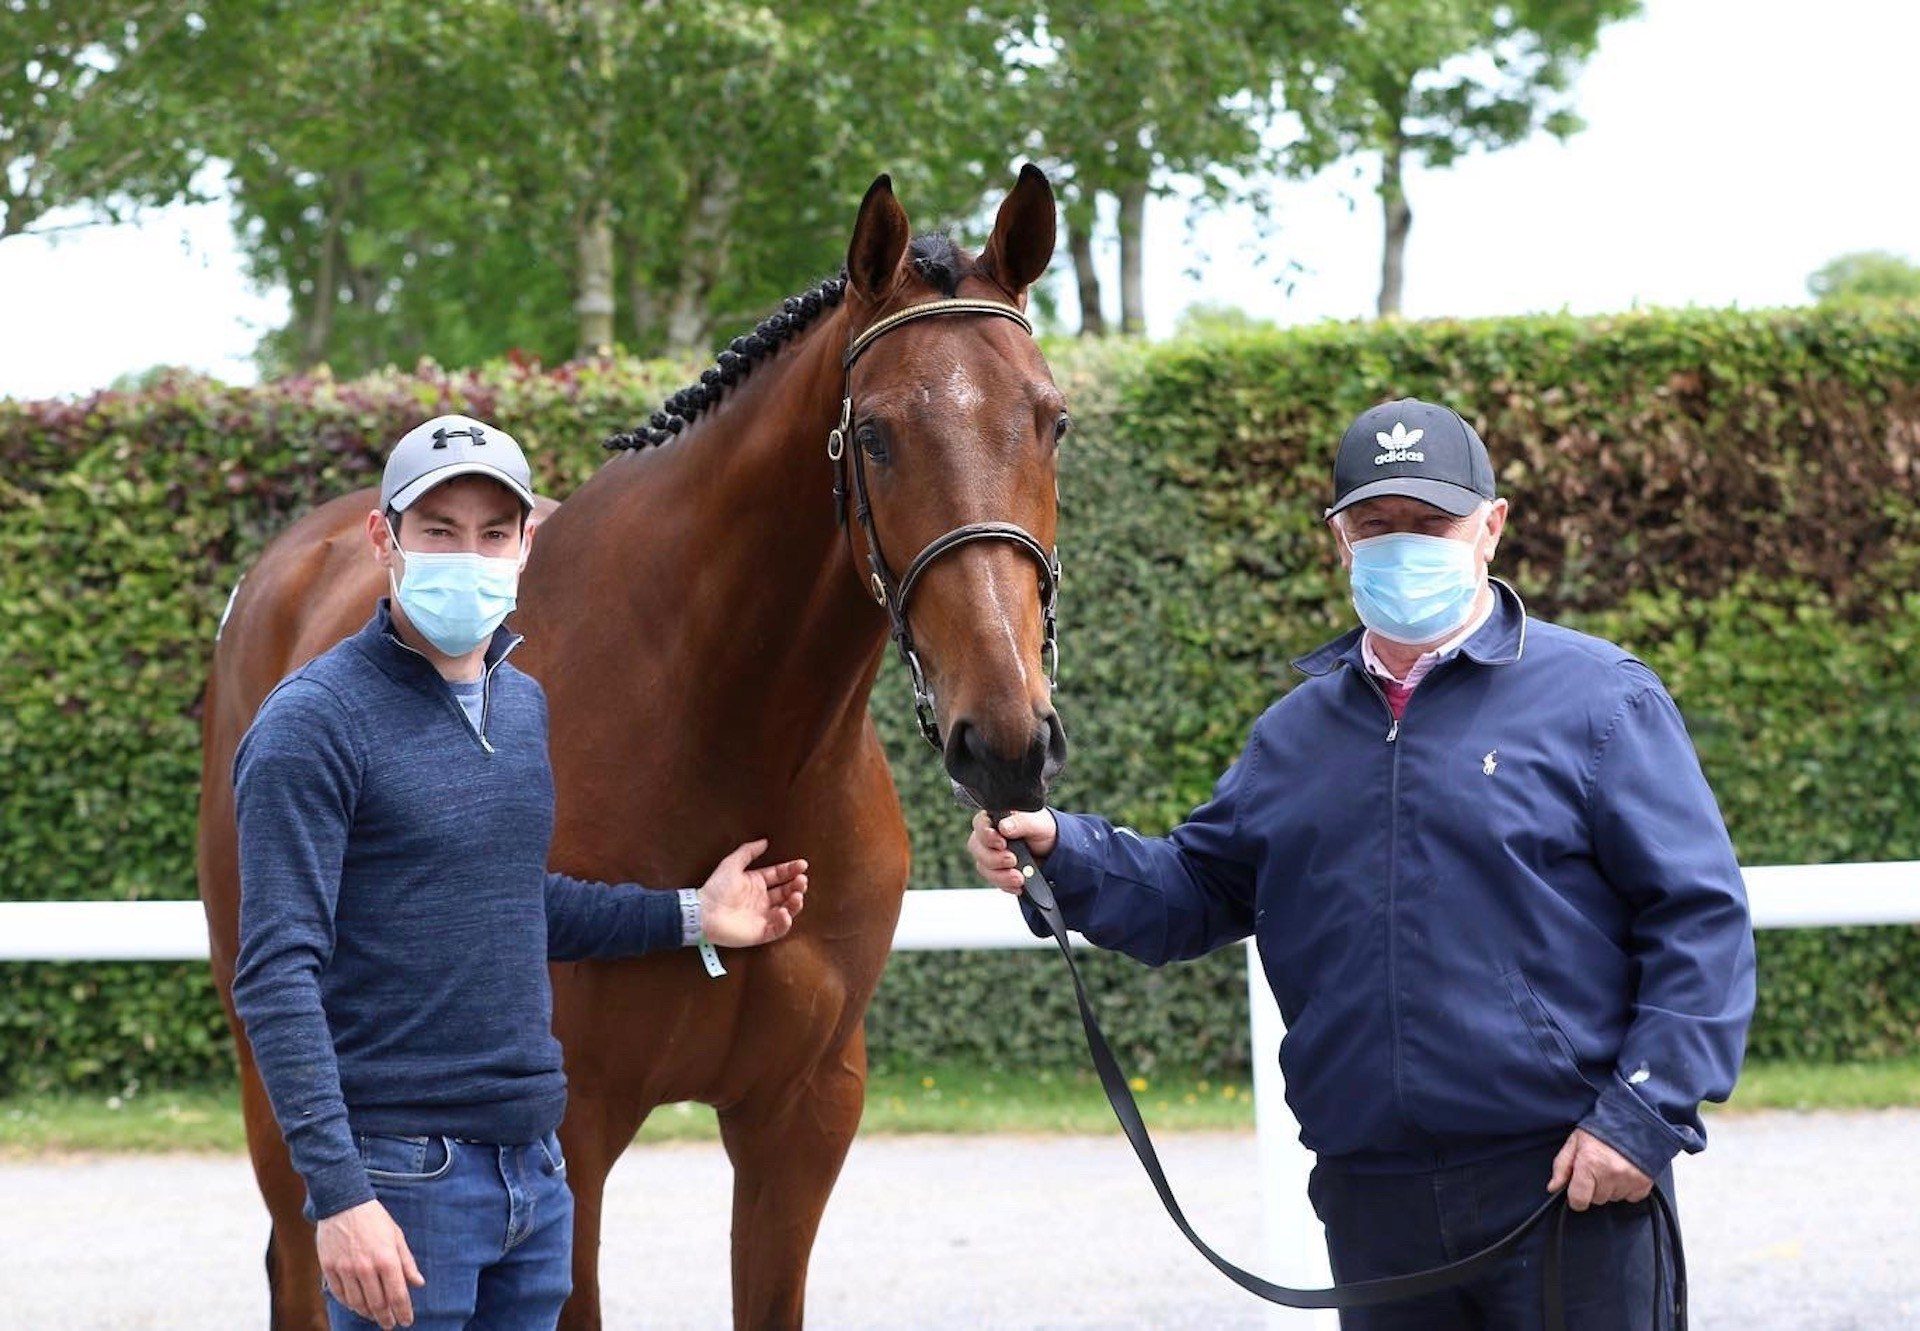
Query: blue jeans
(1389, 1224)
(490, 1226)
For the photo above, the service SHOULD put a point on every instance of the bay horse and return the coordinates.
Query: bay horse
(707, 619)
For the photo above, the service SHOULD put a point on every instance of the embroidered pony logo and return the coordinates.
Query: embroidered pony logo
(1491, 761)
(1399, 446)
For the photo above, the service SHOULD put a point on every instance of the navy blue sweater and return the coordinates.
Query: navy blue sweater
(396, 912)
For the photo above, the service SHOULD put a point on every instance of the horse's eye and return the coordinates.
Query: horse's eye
(1061, 426)
(869, 439)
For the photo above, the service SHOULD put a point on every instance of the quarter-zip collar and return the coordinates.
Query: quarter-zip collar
(1499, 641)
(380, 642)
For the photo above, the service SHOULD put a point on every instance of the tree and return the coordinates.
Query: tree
(464, 178)
(770, 134)
(1120, 95)
(1206, 320)
(1866, 277)
(363, 182)
(680, 164)
(1426, 81)
(89, 111)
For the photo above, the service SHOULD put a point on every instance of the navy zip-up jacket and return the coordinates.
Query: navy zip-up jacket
(1513, 912)
(396, 912)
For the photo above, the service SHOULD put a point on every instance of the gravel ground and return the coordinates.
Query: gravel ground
(1802, 1221)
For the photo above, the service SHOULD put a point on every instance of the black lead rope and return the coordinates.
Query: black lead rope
(1362, 1293)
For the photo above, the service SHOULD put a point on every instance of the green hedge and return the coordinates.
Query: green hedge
(1733, 496)
(124, 521)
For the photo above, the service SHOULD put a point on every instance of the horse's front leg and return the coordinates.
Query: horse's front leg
(598, 1128)
(787, 1144)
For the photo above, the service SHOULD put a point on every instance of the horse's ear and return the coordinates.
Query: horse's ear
(1022, 242)
(880, 236)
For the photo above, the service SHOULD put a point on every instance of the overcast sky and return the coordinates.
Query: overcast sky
(1733, 146)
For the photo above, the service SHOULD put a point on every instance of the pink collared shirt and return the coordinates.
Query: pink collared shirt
(1399, 690)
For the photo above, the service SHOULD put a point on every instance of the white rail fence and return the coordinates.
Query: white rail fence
(1784, 897)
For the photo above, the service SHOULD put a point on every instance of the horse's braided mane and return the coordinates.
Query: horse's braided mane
(935, 258)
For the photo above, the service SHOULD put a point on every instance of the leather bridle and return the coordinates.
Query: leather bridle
(892, 593)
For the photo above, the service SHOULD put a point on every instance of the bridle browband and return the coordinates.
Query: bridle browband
(893, 593)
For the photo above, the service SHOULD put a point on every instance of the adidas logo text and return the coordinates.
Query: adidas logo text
(1399, 446)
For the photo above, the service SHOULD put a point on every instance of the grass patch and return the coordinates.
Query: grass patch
(1892, 1083)
(961, 1099)
(194, 1119)
(948, 1098)
(953, 1099)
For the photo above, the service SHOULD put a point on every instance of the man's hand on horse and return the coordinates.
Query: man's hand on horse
(994, 859)
(742, 907)
(368, 1266)
(1593, 1173)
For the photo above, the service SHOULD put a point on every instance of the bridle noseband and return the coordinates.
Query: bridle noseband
(893, 593)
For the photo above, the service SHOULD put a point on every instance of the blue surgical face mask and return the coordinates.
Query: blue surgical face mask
(455, 600)
(1414, 589)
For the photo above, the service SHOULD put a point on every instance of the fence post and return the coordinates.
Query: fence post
(1296, 1249)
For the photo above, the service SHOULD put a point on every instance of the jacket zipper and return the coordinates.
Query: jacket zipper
(1393, 722)
(1393, 887)
(486, 681)
(486, 692)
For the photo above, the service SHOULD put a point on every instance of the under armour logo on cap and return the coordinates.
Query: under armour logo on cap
(438, 450)
(473, 432)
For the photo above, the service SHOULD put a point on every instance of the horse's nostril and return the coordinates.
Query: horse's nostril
(999, 780)
(1055, 744)
(960, 744)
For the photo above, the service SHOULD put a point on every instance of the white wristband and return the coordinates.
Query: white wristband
(692, 935)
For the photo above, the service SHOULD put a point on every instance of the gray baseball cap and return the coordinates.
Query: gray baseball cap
(449, 446)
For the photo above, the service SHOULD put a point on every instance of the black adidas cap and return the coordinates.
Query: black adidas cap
(1412, 448)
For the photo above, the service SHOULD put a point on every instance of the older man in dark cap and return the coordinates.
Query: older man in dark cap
(1505, 928)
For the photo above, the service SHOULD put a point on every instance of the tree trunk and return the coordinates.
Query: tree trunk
(13, 213)
(594, 304)
(1093, 320)
(1398, 215)
(644, 307)
(689, 322)
(703, 261)
(317, 333)
(1133, 227)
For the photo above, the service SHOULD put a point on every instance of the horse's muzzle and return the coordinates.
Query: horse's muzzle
(985, 777)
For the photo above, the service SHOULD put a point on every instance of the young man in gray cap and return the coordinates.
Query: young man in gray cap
(395, 805)
(1506, 929)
